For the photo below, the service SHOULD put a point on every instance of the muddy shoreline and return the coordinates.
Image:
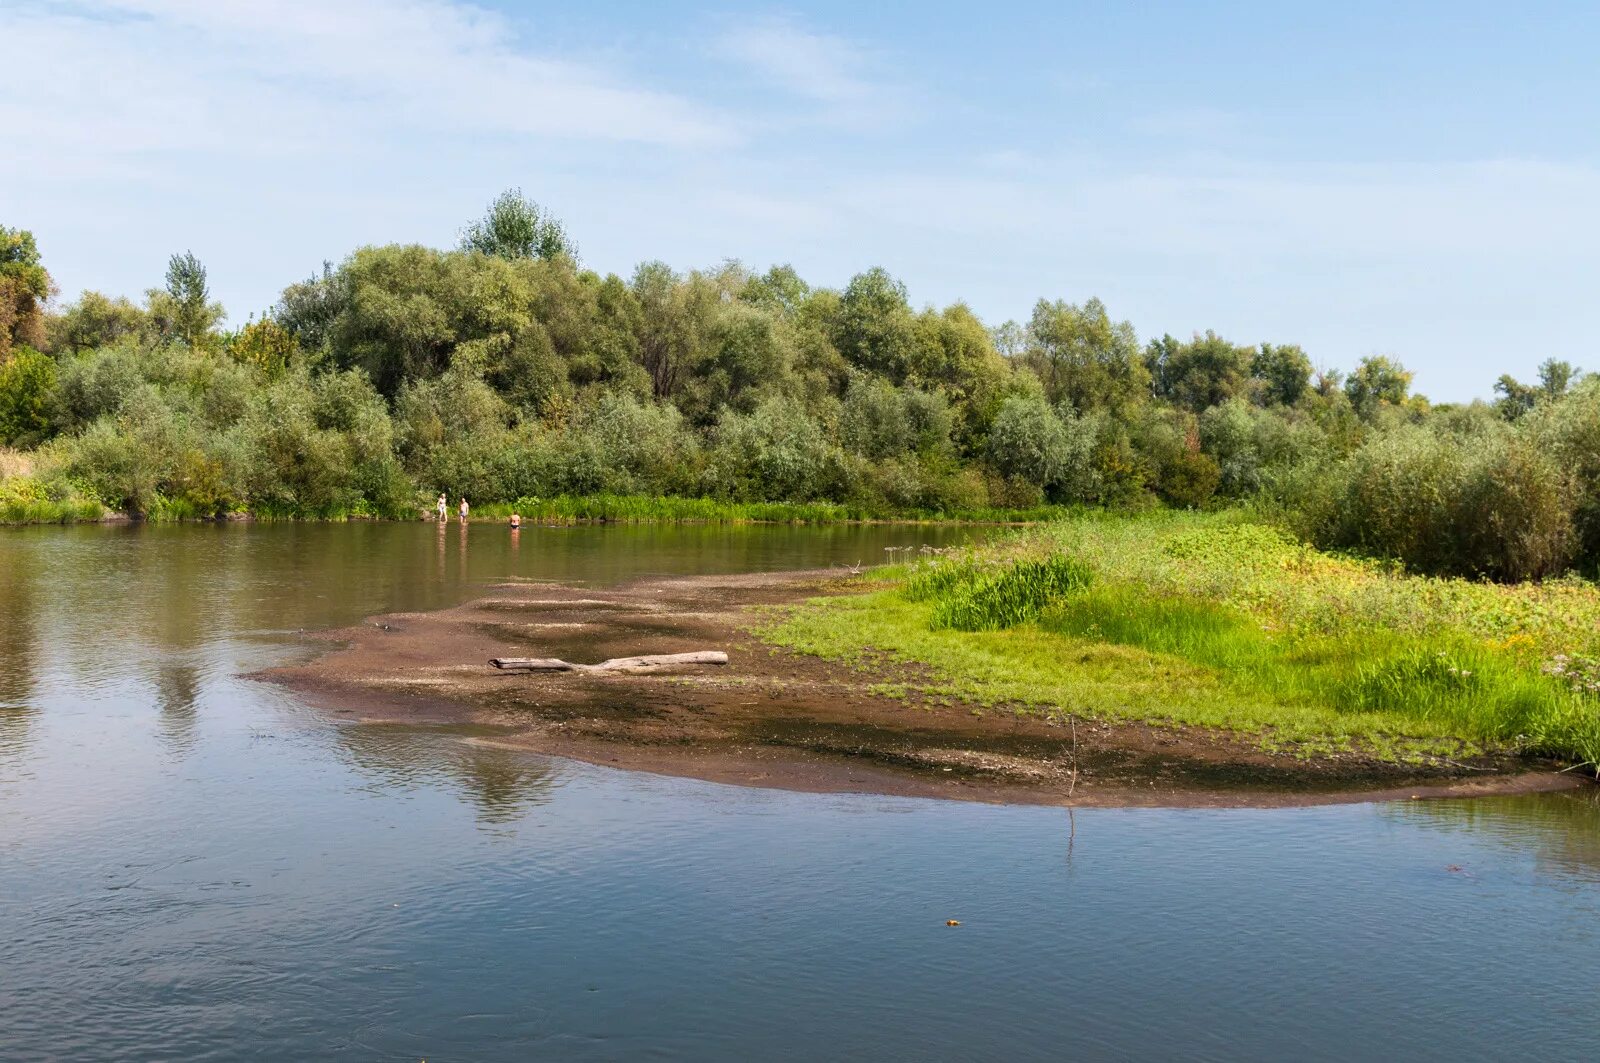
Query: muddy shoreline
(777, 719)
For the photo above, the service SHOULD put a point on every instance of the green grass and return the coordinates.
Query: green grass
(651, 509)
(24, 500)
(1211, 621)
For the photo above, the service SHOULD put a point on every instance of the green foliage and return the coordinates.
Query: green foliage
(776, 452)
(25, 286)
(880, 421)
(1084, 359)
(1282, 373)
(1493, 507)
(1377, 382)
(95, 320)
(1556, 378)
(1189, 479)
(264, 345)
(1199, 374)
(1029, 441)
(27, 397)
(505, 370)
(874, 329)
(515, 226)
(183, 310)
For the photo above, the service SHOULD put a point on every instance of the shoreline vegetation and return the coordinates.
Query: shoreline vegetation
(1218, 622)
(20, 508)
(502, 369)
(1219, 535)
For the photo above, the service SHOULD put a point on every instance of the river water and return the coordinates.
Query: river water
(196, 866)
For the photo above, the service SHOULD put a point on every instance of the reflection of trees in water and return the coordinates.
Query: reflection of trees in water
(177, 689)
(502, 783)
(1562, 830)
(18, 651)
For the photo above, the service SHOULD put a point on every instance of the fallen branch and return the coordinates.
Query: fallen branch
(649, 662)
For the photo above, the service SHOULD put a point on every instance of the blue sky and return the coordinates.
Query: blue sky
(1421, 180)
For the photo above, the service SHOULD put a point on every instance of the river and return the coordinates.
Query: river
(195, 865)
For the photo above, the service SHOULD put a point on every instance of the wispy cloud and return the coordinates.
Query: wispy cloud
(111, 77)
(837, 76)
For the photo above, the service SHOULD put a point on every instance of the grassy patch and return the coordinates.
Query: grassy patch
(667, 509)
(1214, 622)
(25, 500)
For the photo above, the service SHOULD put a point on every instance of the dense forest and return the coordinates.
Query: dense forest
(504, 371)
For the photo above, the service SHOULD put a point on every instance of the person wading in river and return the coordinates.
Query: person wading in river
(463, 509)
(443, 507)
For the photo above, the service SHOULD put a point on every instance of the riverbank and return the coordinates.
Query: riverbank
(778, 717)
(26, 502)
(1211, 621)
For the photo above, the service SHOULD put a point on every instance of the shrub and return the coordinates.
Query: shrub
(27, 395)
(1492, 507)
(96, 384)
(777, 452)
(1031, 442)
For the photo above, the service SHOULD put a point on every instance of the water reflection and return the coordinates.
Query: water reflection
(177, 686)
(18, 648)
(501, 784)
(1561, 830)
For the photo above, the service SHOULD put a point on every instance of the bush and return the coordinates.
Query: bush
(776, 453)
(27, 395)
(1490, 507)
(1568, 434)
(95, 385)
(1032, 443)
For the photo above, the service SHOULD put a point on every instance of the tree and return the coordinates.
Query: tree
(309, 309)
(874, 329)
(265, 345)
(1010, 339)
(1557, 377)
(27, 385)
(1085, 359)
(1282, 373)
(780, 289)
(516, 227)
(184, 310)
(1515, 397)
(95, 320)
(1029, 442)
(667, 335)
(24, 289)
(1201, 373)
(1379, 380)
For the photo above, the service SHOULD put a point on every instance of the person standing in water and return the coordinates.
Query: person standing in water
(443, 507)
(463, 509)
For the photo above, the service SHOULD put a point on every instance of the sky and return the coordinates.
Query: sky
(1418, 180)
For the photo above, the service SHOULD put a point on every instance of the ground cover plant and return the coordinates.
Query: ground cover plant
(1220, 621)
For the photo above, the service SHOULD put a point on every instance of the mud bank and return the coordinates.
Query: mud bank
(776, 719)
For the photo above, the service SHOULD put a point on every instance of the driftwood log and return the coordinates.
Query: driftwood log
(650, 662)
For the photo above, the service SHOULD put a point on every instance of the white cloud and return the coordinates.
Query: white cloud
(834, 74)
(118, 79)
(809, 64)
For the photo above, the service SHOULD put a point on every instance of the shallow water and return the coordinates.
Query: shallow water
(196, 866)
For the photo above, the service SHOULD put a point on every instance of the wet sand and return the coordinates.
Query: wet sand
(778, 719)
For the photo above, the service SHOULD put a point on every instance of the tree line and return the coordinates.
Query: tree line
(503, 369)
